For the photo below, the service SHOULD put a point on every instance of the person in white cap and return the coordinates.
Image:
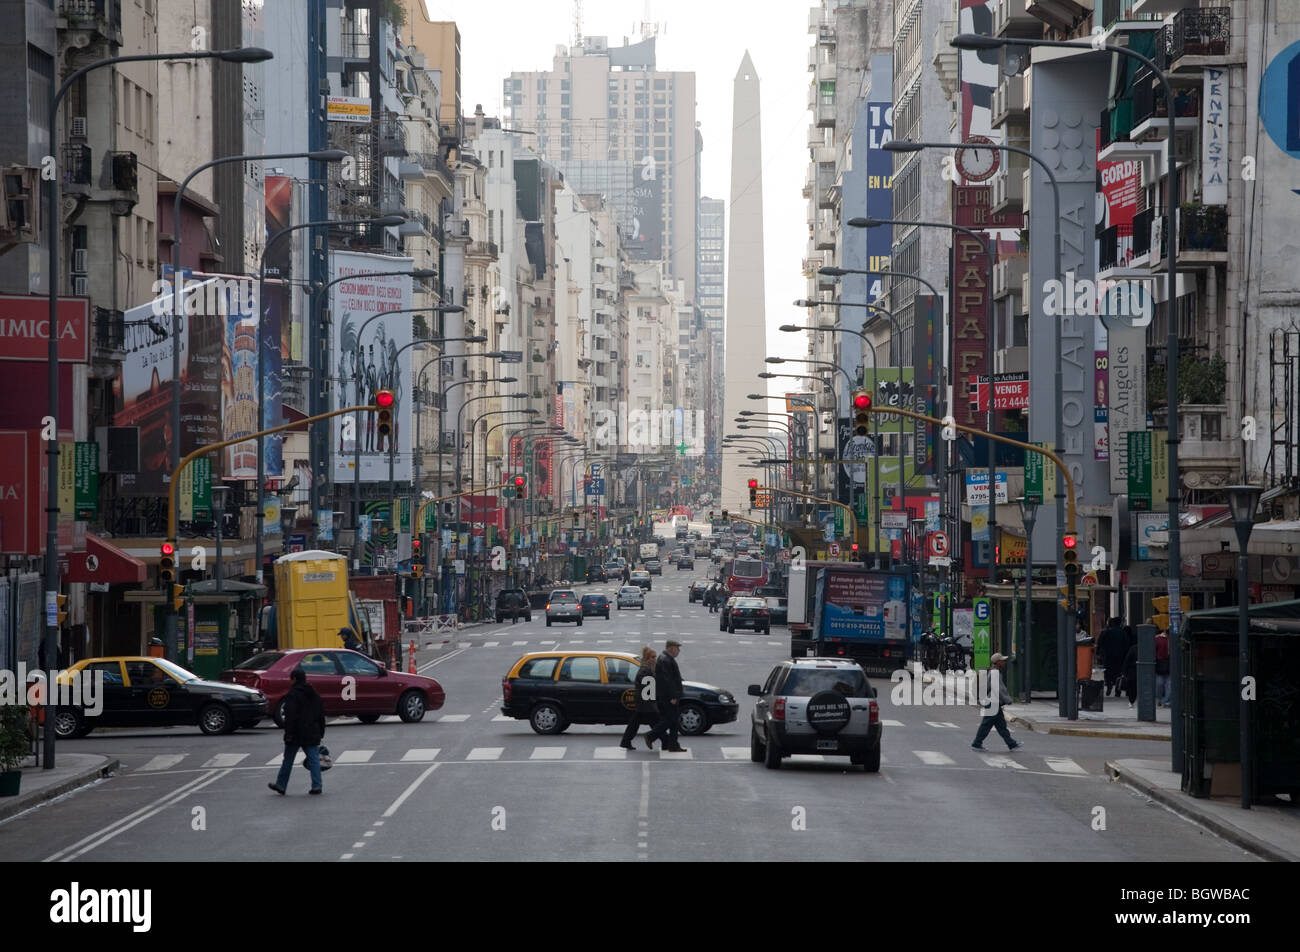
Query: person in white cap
(997, 719)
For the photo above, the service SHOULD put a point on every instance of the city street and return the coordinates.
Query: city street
(469, 784)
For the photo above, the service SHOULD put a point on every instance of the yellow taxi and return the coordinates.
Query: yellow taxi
(135, 691)
(553, 689)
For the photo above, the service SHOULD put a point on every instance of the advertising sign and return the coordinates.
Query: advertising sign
(925, 315)
(1118, 184)
(1010, 391)
(970, 330)
(880, 192)
(972, 208)
(1214, 136)
(25, 328)
(862, 605)
(347, 109)
(86, 476)
(365, 358)
(977, 486)
(1139, 471)
(645, 238)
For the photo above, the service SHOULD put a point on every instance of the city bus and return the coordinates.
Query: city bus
(745, 574)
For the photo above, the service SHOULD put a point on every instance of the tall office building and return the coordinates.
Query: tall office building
(745, 317)
(617, 126)
(709, 281)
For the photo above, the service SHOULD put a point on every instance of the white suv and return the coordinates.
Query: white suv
(816, 706)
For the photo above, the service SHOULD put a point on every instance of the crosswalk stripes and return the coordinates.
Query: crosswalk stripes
(735, 753)
(516, 644)
(491, 644)
(1064, 765)
(421, 755)
(933, 758)
(163, 762)
(1001, 760)
(942, 724)
(891, 723)
(548, 753)
(485, 753)
(453, 718)
(226, 760)
(354, 757)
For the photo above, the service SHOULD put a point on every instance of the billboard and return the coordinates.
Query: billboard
(365, 341)
(25, 328)
(644, 227)
(880, 191)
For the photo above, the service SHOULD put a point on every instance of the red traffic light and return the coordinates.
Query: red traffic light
(853, 547)
(862, 401)
(1070, 541)
(519, 482)
(384, 399)
(753, 484)
(168, 549)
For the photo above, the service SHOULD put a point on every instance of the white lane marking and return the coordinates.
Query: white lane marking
(402, 797)
(578, 641)
(163, 762)
(226, 760)
(940, 724)
(1001, 760)
(421, 755)
(354, 757)
(100, 837)
(447, 657)
(485, 753)
(604, 641)
(502, 718)
(548, 753)
(1064, 765)
(298, 758)
(676, 755)
(609, 753)
(453, 718)
(346, 856)
(516, 644)
(491, 644)
(735, 753)
(607, 632)
(892, 723)
(933, 758)
(357, 846)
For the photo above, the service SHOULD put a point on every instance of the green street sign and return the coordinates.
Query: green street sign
(1139, 470)
(981, 637)
(202, 489)
(1034, 477)
(87, 481)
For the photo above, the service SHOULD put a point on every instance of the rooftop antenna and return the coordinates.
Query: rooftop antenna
(577, 22)
(650, 28)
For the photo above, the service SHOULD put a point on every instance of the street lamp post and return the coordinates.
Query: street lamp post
(974, 41)
(1028, 515)
(1243, 501)
(53, 231)
(219, 494)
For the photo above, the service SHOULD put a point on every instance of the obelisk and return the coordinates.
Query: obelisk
(746, 323)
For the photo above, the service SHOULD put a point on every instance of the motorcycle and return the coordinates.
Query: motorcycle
(931, 650)
(953, 657)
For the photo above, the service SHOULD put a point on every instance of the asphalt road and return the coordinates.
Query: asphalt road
(468, 784)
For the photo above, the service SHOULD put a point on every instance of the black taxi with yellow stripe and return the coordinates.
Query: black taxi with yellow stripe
(553, 689)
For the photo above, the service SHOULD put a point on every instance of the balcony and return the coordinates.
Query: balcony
(110, 330)
(1061, 14)
(1008, 99)
(1204, 431)
(816, 137)
(482, 249)
(1120, 14)
(392, 201)
(1151, 111)
(1202, 234)
(1008, 185)
(1023, 301)
(1116, 125)
(826, 193)
(1008, 276)
(825, 115)
(1119, 254)
(100, 16)
(826, 72)
(76, 166)
(1010, 18)
(354, 43)
(1195, 38)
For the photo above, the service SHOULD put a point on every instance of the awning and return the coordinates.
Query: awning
(105, 564)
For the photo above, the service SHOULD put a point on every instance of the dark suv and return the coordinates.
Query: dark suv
(816, 706)
(597, 573)
(512, 603)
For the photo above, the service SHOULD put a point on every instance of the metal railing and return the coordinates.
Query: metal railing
(1142, 232)
(1109, 244)
(1198, 32)
(76, 164)
(110, 329)
(1149, 103)
(1203, 228)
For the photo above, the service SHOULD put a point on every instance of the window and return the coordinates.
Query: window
(126, 103)
(542, 669)
(144, 672)
(111, 671)
(661, 84)
(805, 682)
(319, 663)
(620, 670)
(581, 669)
(356, 664)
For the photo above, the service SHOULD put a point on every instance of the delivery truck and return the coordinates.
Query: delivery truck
(844, 609)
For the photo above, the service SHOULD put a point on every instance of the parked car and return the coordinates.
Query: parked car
(597, 573)
(654, 566)
(553, 689)
(749, 612)
(153, 692)
(563, 605)
(686, 562)
(696, 592)
(726, 611)
(513, 603)
(815, 706)
(373, 689)
(631, 596)
(641, 578)
(595, 605)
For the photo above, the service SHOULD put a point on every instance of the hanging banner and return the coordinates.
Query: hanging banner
(1214, 136)
(86, 503)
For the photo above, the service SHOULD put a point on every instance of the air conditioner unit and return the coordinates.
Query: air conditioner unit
(79, 258)
(79, 127)
(80, 286)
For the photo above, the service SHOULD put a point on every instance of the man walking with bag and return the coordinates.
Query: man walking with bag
(304, 726)
(997, 719)
(668, 687)
(646, 707)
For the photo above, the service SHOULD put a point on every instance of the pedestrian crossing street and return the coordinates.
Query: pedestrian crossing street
(698, 749)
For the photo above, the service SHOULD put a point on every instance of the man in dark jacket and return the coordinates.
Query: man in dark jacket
(1113, 645)
(668, 687)
(646, 709)
(304, 726)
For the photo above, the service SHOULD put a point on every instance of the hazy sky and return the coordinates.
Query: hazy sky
(709, 38)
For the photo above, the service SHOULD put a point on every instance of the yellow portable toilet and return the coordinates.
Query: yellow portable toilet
(312, 599)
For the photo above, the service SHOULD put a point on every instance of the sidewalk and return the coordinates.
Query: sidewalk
(1271, 832)
(1116, 719)
(71, 772)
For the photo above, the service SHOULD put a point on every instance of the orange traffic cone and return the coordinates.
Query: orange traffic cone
(410, 664)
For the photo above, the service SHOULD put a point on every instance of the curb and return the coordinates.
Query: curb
(1177, 802)
(24, 802)
(1118, 734)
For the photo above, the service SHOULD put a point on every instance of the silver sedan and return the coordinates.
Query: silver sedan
(631, 596)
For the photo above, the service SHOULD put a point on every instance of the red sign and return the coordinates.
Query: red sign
(25, 328)
(970, 316)
(971, 209)
(936, 544)
(482, 509)
(516, 452)
(20, 511)
(1011, 391)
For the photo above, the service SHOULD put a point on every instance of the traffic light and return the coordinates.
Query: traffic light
(724, 515)
(1064, 600)
(575, 518)
(1071, 556)
(63, 609)
(753, 493)
(417, 557)
(1161, 607)
(166, 564)
(521, 491)
(861, 412)
(853, 551)
(384, 401)
(178, 597)
(710, 515)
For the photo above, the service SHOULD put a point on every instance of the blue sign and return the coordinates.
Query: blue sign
(982, 609)
(512, 356)
(594, 487)
(1279, 100)
(880, 191)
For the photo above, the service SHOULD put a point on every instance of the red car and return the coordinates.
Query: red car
(371, 692)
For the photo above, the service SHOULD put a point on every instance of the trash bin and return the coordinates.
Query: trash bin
(1083, 659)
(1090, 695)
